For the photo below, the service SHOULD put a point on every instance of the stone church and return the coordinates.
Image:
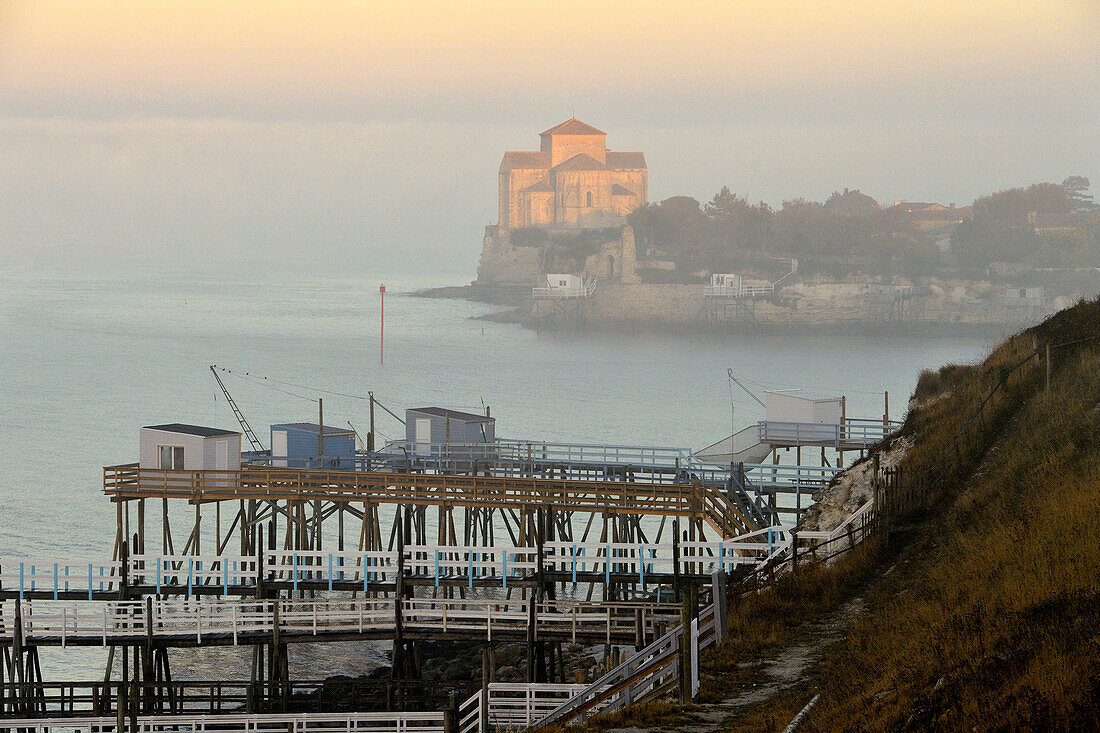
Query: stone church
(573, 181)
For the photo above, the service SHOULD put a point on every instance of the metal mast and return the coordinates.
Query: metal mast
(248, 432)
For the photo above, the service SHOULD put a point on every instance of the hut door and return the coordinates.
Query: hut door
(223, 456)
(423, 435)
(278, 447)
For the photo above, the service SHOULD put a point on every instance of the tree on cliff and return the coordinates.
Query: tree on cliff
(677, 226)
(852, 203)
(738, 226)
(998, 229)
(1077, 188)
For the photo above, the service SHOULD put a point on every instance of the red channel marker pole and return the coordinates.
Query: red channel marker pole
(382, 329)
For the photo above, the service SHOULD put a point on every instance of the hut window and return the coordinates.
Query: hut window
(170, 457)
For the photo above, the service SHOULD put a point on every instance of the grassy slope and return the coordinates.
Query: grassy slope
(983, 614)
(990, 618)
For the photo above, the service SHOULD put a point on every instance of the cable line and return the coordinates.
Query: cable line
(268, 382)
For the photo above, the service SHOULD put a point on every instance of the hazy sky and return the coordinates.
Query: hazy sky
(324, 135)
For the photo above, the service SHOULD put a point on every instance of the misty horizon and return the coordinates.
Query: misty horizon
(311, 140)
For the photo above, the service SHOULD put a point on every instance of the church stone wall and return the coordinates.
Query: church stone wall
(573, 208)
(517, 181)
(563, 147)
(538, 209)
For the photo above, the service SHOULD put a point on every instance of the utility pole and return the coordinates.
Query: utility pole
(370, 435)
(1047, 387)
(382, 328)
(320, 430)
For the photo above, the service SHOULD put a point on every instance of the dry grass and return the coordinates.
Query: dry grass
(992, 619)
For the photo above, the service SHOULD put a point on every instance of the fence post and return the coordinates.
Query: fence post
(483, 712)
(1047, 388)
(694, 666)
(124, 570)
(684, 665)
(876, 487)
(450, 714)
(720, 599)
(675, 558)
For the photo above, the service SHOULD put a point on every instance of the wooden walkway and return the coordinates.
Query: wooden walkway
(223, 622)
(220, 697)
(696, 501)
(397, 722)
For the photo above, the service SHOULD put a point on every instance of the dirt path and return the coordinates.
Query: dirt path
(773, 674)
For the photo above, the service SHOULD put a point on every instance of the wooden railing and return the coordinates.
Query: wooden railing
(604, 495)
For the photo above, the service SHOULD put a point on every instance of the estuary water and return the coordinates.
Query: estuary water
(86, 360)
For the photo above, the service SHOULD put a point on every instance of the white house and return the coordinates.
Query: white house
(726, 280)
(1027, 297)
(565, 284)
(179, 447)
(431, 426)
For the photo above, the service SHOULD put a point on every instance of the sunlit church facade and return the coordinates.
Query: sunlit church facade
(572, 181)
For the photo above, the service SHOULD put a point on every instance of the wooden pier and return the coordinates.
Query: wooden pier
(538, 544)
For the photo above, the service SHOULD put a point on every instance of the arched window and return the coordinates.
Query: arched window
(588, 199)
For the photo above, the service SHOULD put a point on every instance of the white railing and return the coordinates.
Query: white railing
(511, 450)
(59, 576)
(387, 722)
(739, 291)
(769, 474)
(193, 571)
(572, 618)
(851, 432)
(209, 574)
(649, 672)
(471, 562)
(581, 559)
(103, 622)
(511, 706)
(468, 615)
(342, 566)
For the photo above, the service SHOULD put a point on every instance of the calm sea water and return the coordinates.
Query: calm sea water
(85, 361)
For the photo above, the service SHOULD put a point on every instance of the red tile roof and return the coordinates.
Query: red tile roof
(620, 161)
(524, 160)
(581, 162)
(542, 186)
(573, 126)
